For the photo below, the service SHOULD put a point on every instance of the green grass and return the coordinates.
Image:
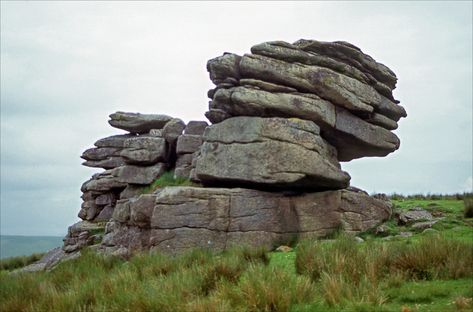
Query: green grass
(167, 179)
(12, 263)
(422, 273)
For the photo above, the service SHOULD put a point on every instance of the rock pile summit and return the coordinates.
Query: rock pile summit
(265, 172)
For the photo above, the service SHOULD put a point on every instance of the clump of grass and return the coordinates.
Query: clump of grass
(468, 207)
(167, 179)
(264, 288)
(350, 272)
(19, 262)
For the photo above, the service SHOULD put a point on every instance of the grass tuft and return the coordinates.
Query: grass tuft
(167, 179)
(13, 263)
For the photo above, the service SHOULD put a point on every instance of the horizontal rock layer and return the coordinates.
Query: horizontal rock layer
(315, 81)
(272, 153)
(178, 218)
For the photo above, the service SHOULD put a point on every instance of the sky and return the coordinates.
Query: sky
(65, 66)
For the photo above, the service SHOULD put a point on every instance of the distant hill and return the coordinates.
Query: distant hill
(13, 245)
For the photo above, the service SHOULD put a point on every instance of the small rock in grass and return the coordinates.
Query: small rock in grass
(423, 225)
(284, 248)
(430, 231)
(359, 239)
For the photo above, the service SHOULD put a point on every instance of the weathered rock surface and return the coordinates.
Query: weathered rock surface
(350, 54)
(414, 215)
(178, 218)
(269, 152)
(188, 143)
(173, 129)
(117, 141)
(196, 127)
(336, 85)
(138, 123)
(130, 174)
(144, 150)
(353, 137)
(82, 234)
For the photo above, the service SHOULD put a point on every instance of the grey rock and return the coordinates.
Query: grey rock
(430, 231)
(103, 182)
(100, 153)
(108, 163)
(266, 86)
(117, 141)
(352, 55)
(173, 129)
(132, 190)
(184, 165)
(414, 215)
(188, 143)
(223, 67)
(130, 174)
(383, 121)
(121, 213)
(268, 152)
(183, 172)
(352, 136)
(217, 115)
(138, 123)
(359, 239)
(105, 199)
(355, 138)
(243, 101)
(179, 218)
(156, 133)
(145, 150)
(105, 214)
(339, 89)
(423, 225)
(48, 261)
(291, 53)
(196, 127)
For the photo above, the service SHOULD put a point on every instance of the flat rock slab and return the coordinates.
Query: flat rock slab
(131, 174)
(414, 215)
(174, 219)
(138, 123)
(274, 153)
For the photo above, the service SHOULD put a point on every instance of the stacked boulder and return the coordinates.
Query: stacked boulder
(266, 172)
(131, 161)
(188, 146)
(334, 84)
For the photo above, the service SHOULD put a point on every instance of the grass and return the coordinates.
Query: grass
(18, 262)
(423, 273)
(167, 179)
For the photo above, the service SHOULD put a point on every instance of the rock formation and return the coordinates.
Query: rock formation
(265, 172)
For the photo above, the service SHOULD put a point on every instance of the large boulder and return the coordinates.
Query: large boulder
(178, 218)
(138, 123)
(274, 153)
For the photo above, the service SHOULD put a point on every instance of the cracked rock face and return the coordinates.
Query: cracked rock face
(178, 218)
(276, 153)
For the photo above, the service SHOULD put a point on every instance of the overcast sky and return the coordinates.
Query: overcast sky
(65, 66)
